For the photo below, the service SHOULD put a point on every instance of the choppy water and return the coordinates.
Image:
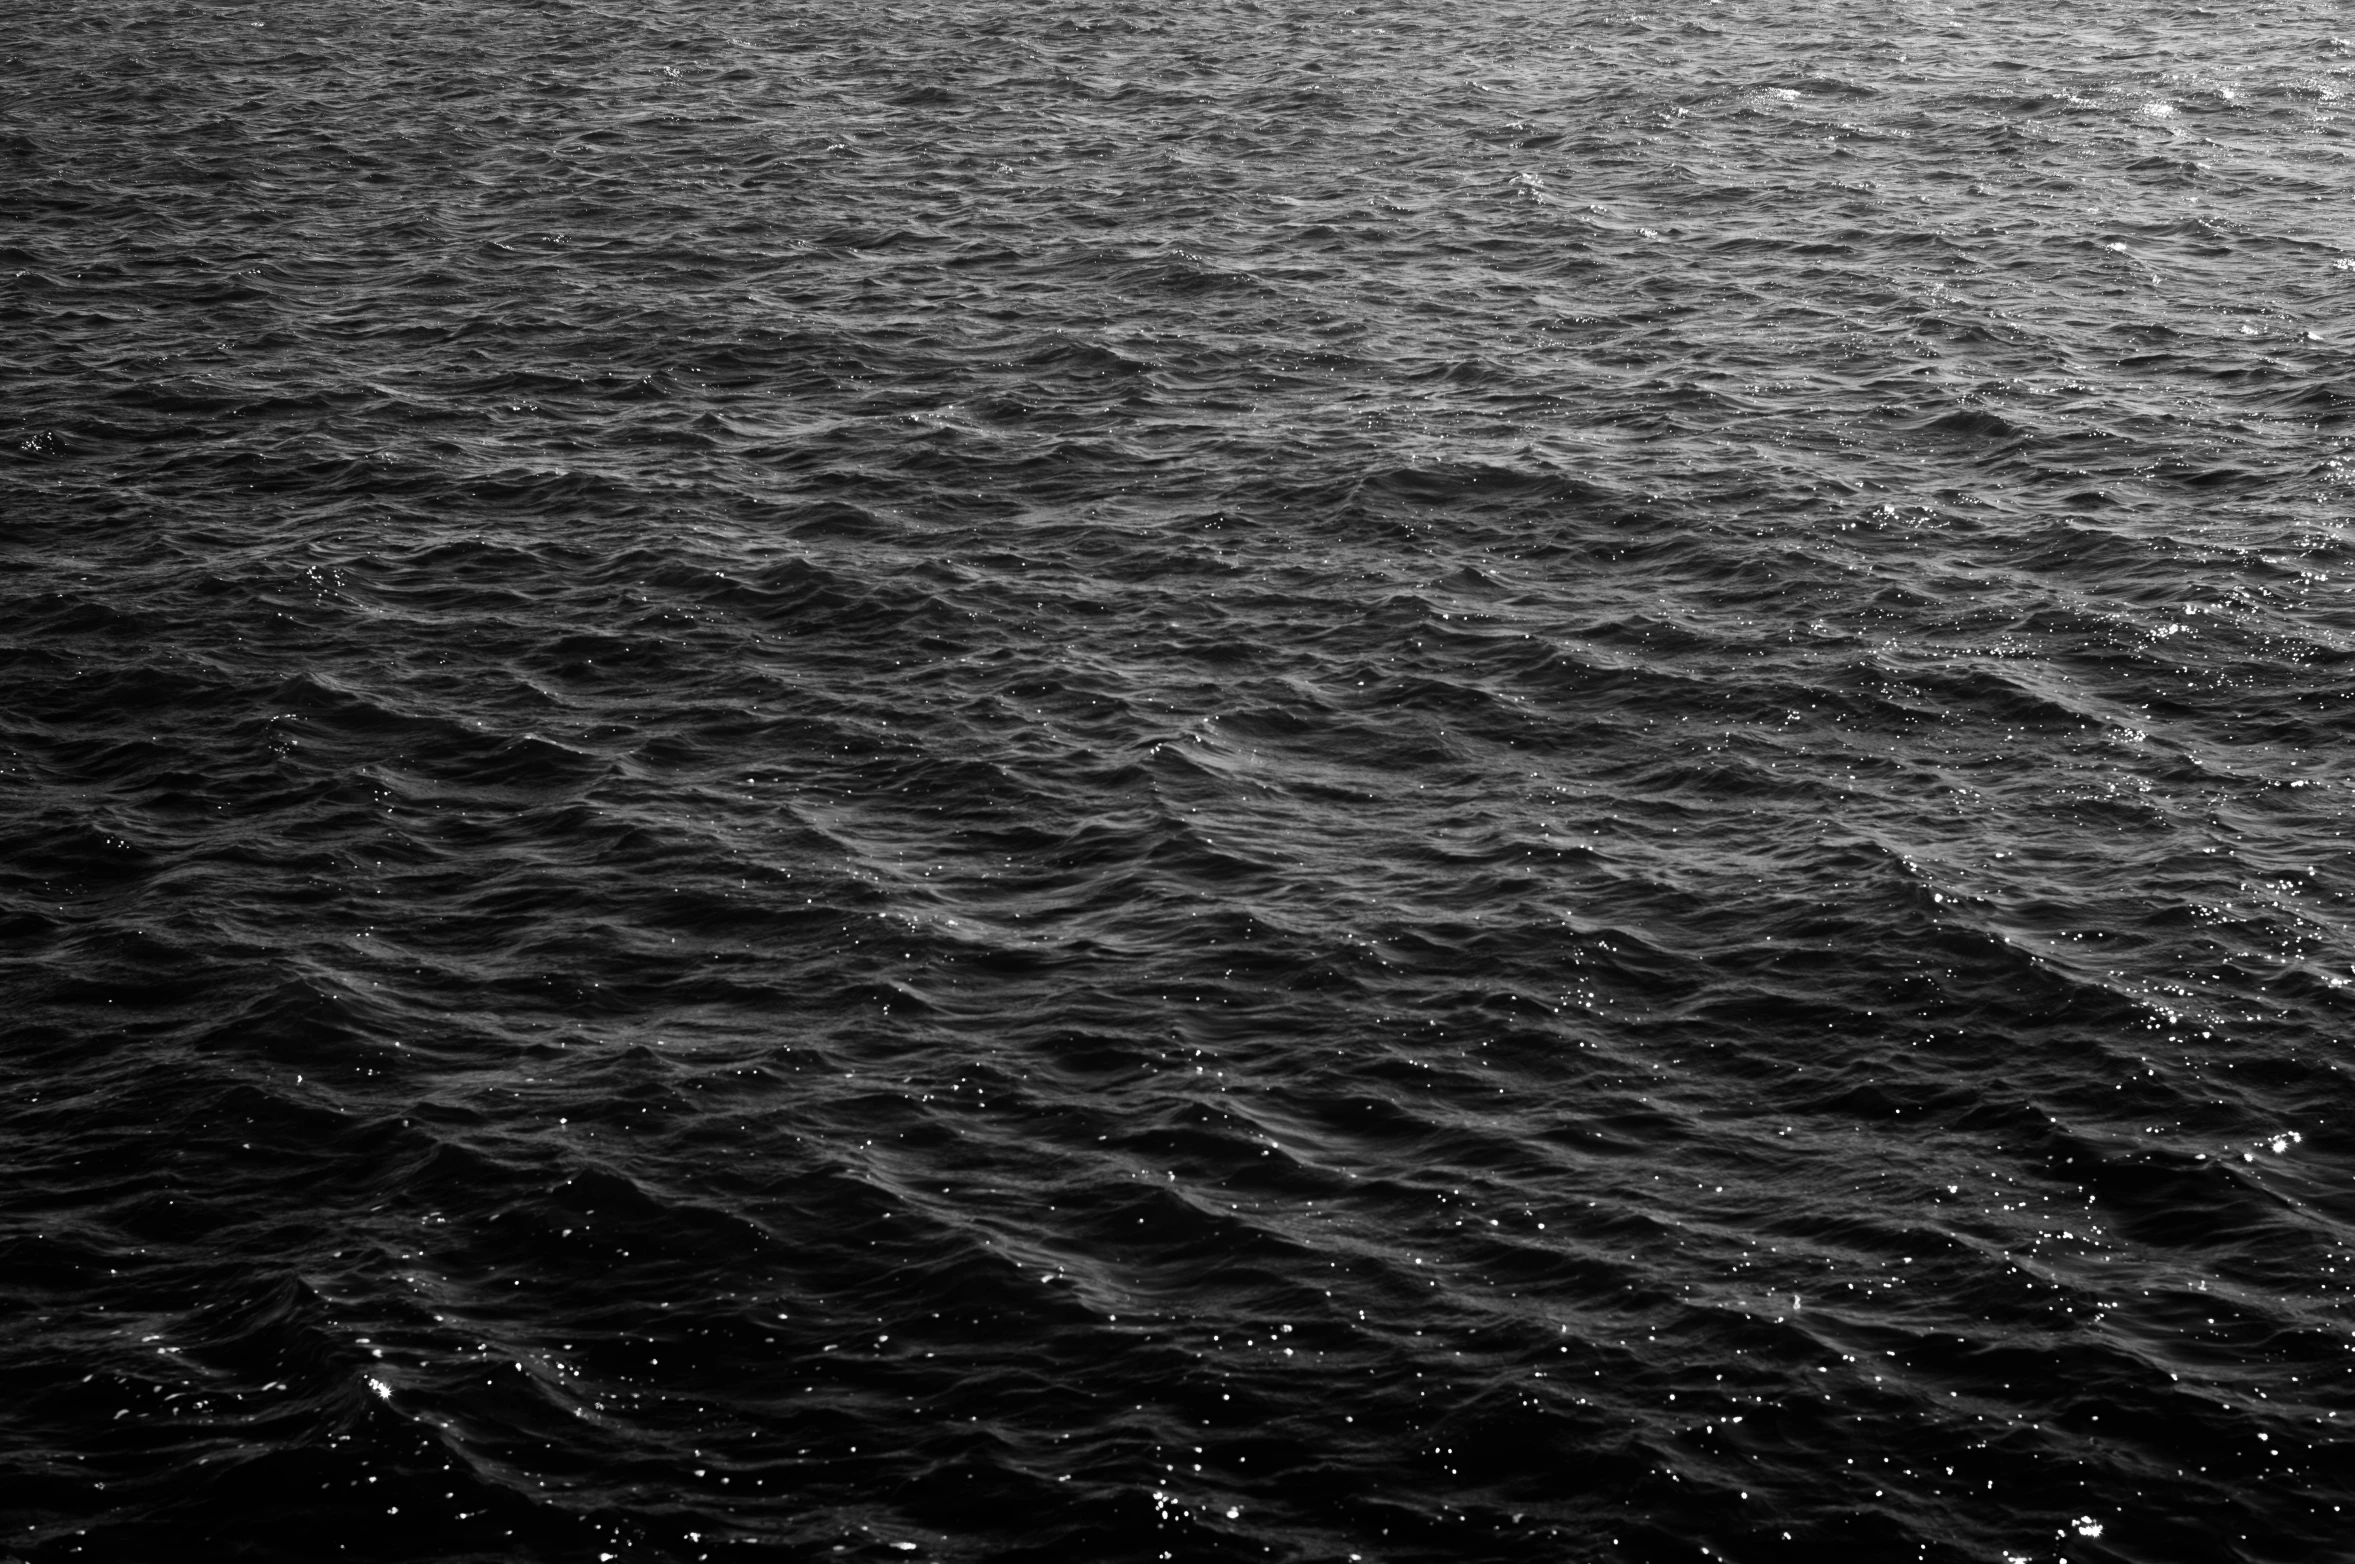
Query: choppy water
(1062, 781)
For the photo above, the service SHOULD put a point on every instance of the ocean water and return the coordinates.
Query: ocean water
(786, 779)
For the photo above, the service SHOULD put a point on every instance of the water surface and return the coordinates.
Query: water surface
(1238, 781)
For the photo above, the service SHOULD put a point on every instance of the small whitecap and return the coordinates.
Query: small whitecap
(2158, 110)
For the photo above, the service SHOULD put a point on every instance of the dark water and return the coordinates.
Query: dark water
(990, 781)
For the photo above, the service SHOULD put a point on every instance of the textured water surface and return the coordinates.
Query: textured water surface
(1063, 781)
